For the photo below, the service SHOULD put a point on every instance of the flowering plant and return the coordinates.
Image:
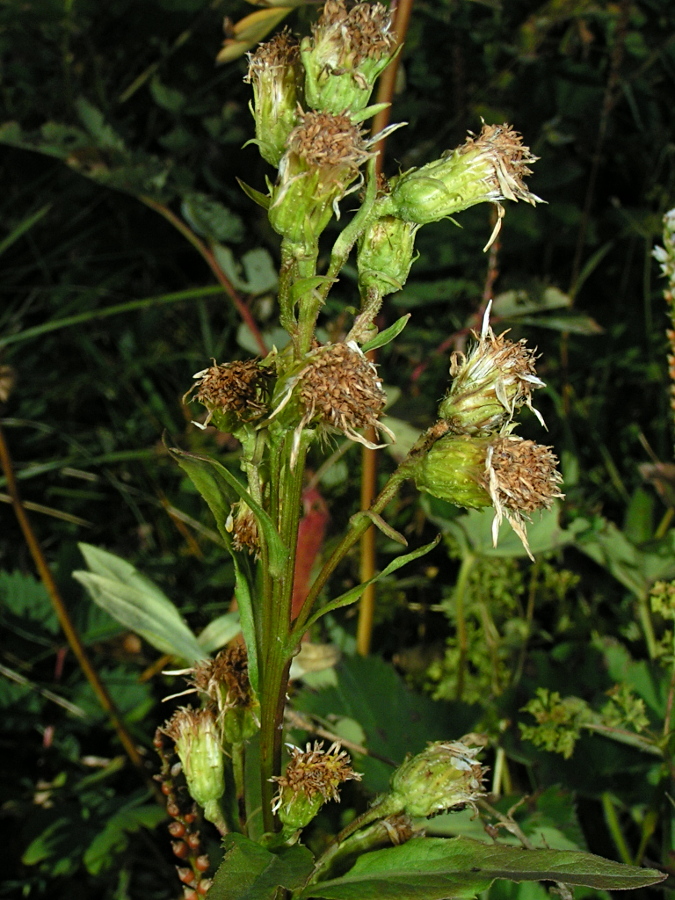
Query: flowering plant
(310, 100)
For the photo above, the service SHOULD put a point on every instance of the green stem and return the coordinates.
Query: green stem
(286, 486)
(647, 627)
(460, 619)
(351, 233)
(615, 829)
(360, 524)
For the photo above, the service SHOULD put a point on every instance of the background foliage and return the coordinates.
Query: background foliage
(112, 107)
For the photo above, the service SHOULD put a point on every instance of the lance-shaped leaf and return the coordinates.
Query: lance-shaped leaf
(221, 489)
(388, 335)
(138, 604)
(353, 595)
(250, 872)
(436, 868)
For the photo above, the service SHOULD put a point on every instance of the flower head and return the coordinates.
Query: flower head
(344, 55)
(515, 476)
(198, 743)
(490, 384)
(488, 168)
(224, 680)
(234, 393)
(312, 777)
(444, 776)
(324, 154)
(242, 524)
(274, 70)
(339, 389)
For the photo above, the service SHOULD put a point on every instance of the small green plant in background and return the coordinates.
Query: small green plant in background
(311, 99)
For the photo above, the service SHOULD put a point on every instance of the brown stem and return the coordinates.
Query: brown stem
(65, 621)
(207, 254)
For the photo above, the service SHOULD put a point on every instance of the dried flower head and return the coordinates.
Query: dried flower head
(521, 477)
(324, 155)
(225, 681)
(339, 389)
(234, 393)
(515, 476)
(490, 383)
(242, 524)
(275, 73)
(312, 777)
(346, 52)
(488, 168)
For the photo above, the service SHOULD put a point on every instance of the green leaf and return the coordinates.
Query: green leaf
(211, 219)
(114, 838)
(24, 225)
(220, 488)
(166, 97)
(475, 529)
(132, 599)
(395, 720)
(24, 596)
(103, 134)
(353, 595)
(250, 872)
(637, 568)
(436, 868)
(261, 199)
(384, 337)
(219, 632)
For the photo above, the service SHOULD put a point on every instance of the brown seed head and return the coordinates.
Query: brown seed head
(340, 388)
(509, 159)
(324, 141)
(244, 527)
(279, 53)
(521, 477)
(227, 673)
(239, 388)
(362, 32)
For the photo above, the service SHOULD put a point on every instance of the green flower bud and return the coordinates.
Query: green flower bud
(346, 52)
(454, 470)
(199, 748)
(276, 75)
(487, 168)
(489, 384)
(312, 777)
(323, 158)
(385, 255)
(443, 776)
